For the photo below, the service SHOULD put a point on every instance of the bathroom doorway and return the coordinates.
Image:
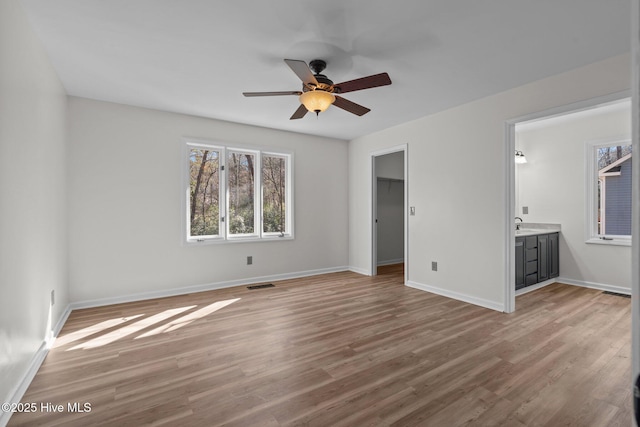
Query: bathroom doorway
(551, 188)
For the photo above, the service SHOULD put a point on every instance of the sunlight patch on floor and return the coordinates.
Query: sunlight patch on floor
(93, 329)
(185, 320)
(130, 328)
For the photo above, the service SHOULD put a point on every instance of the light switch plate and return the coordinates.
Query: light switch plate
(412, 210)
(525, 210)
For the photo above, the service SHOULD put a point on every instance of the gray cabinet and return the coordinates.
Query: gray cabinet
(543, 257)
(554, 255)
(519, 262)
(537, 259)
(526, 261)
(548, 256)
(531, 260)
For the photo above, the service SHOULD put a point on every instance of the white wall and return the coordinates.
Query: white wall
(552, 185)
(125, 167)
(457, 182)
(33, 249)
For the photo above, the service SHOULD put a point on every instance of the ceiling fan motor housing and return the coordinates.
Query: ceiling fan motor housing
(317, 66)
(324, 83)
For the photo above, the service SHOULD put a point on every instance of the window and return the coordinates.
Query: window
(236, 194)
(241, 184)
(609, 192)
(204, 192)
(274, 194)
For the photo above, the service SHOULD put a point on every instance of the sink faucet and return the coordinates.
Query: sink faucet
(518, 225)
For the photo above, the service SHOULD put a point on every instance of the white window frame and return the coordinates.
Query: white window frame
(288, 195)
(257, 184)
(187, 145)
(591, 197)
(224, 235)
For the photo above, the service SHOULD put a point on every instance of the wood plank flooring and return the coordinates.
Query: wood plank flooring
(341, 350)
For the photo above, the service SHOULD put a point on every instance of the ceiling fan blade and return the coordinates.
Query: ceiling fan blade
(300, 112)
(376, 80)
(302, 71)
(351, 107)
(271, 93)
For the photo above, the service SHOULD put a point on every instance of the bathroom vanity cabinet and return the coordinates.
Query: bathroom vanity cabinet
(537, 259)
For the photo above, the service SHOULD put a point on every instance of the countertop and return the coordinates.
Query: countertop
(534, 229)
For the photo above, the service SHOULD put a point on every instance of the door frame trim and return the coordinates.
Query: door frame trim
(373, 207)
(635, 199)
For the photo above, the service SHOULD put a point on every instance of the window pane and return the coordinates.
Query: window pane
(241, 179)
(273, 194)
(204, 206)
(614, 190)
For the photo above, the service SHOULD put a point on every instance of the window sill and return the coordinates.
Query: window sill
(220, 241)
(612, 242)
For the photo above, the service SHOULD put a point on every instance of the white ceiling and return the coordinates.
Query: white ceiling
(198, 56)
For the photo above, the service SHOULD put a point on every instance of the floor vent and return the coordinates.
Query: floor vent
(617, 294)
(269, 285)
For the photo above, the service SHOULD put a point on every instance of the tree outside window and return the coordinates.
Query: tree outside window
(204, 206)
(236, 194)
(241, 185)
(274, 194)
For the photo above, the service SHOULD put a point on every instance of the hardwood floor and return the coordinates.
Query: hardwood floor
(341, 350)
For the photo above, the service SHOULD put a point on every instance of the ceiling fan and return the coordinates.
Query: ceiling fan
(318, 92)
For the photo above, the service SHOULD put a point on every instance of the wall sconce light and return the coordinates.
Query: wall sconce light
(520, 158)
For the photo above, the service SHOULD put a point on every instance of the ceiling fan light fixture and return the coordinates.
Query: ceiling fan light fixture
(317, 89)
(317, 101)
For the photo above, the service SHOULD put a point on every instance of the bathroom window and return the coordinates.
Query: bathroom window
(236, 194)
(609, 192)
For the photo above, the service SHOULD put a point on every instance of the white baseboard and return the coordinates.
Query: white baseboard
(201, 288)
(391, 262)
(15, 396)
(593, 285)
(359, 271)
(63, 319)
(532, 288)
(457, 296)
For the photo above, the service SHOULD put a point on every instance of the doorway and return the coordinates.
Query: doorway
(389, 211)
(558, 157)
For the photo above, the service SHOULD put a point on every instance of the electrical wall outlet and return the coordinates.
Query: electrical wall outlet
(53, 296)
(249, 260)
(434, 265)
